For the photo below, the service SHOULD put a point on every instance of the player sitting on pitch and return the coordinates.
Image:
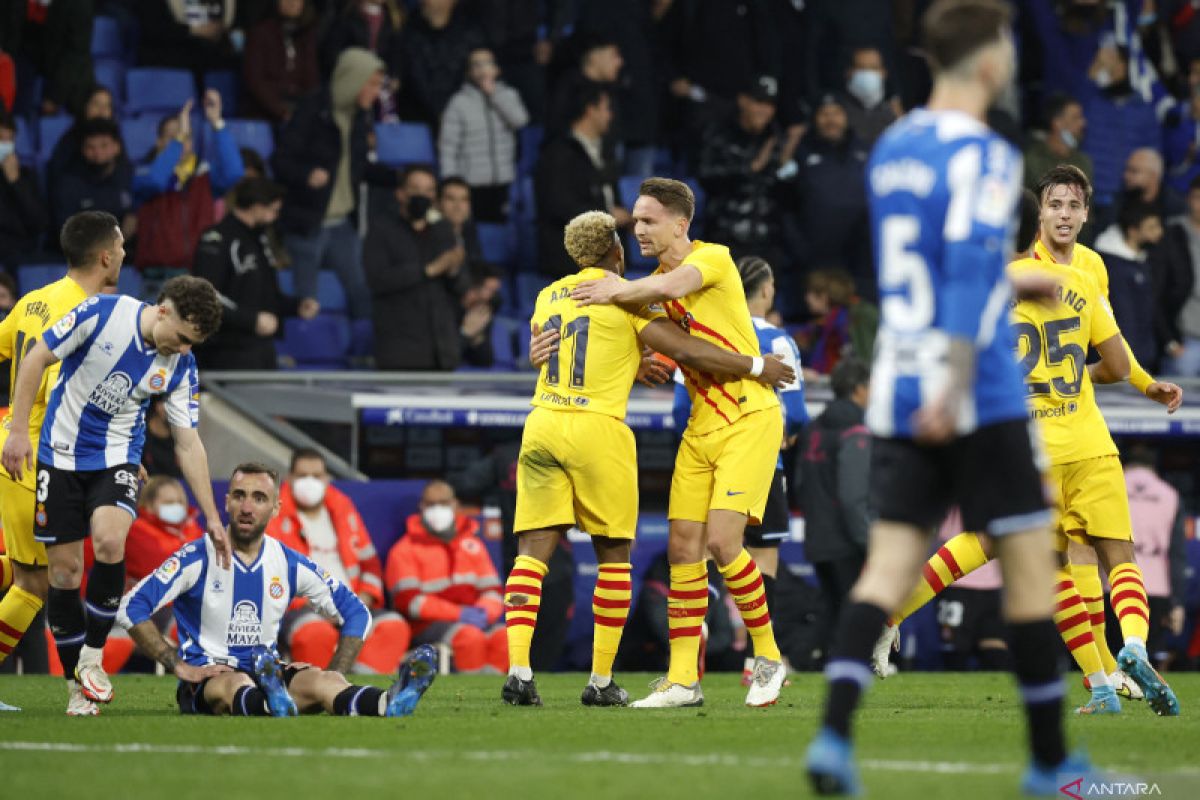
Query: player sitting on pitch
(229, 619)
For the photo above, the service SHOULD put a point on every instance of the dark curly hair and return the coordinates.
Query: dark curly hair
(195, 300)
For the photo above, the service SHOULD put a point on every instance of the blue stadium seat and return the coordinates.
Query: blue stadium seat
(130, 282)
(701, 198)
(50, 130)
(106, 38)
(529, 146)
(401, 143)
(35, 276)
(110, 73)
(320, 342)
(627, 189)
(330, 293)
(362, 337)
(498, 243)
(157, 90)
(252, 133)
(226, 83)
(140, 134)
(522, 202)
(25, 144)
(528, 286)
(504, 349)
(287, 282)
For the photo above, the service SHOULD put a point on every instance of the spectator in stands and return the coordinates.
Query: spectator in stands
(100, 178)
(8, 82)
(1065, 127)
(479, 305)
(176, 190)
(163, 525)
(373, 25)
(524, 34)
(573, 176)
(280, 62)
(321, 159)
(416, 269)
(436, 43)
(833, 468)
(478, 141)
(1159, 542)
(322, 523)
(600, 65)
(1178, 312)
(69, 148)
(441, 576)
(235, 256)
(845, 323)
(455, 206)
(55, 39)
(830, 201)
(22, 211)
(187, 35)
(869, 108)
(158, 456)
(738, 163)
(1125, 246)
(1143, 179)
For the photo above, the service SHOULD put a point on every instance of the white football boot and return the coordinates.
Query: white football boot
(671, 695)
(77, 704)
(93, 680)
(765, 682)
(888, 641)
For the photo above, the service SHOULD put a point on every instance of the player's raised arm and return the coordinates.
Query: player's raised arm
(18, 450)
(664, 337)
(679, 282)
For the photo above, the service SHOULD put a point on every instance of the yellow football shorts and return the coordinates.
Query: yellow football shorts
(16, 511)
(577, 468)
(729, 469)
(1093, 500)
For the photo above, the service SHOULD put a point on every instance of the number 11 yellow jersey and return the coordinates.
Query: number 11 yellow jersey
(1052, 345)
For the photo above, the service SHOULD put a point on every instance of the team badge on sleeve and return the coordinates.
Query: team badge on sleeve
(64, 325)
(168, 569)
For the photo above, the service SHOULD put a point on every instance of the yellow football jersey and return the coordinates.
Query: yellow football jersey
(598, 350)
(1052, 345)
(20, 330)
(1083, 258)
(717, 313)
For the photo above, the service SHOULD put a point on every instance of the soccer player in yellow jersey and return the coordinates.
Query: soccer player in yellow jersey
(577, 464)
(94, 248)
(726, 462)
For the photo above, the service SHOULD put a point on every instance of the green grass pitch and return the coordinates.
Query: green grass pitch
(923, 736)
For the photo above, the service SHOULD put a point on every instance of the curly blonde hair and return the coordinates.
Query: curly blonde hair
(589, 237)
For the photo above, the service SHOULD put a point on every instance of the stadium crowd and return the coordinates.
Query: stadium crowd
(387, 183)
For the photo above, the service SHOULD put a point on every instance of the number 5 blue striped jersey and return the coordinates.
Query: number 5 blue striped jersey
(943, 190)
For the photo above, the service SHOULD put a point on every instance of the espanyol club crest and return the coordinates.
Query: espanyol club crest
(158, 381)
(276, 589)
(39, 516)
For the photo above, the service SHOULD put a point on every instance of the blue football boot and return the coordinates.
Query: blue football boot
(415, 676)
(269, 674)
(830, 764)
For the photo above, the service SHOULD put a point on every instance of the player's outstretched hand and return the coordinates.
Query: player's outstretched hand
(220, 540)
(1035, 285)
(775, 372)
(191, 674)
(17, 456)
(542, 345)
(1169, 394)
(652, 371)
(596, 293)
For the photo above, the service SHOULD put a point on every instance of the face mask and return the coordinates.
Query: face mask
(172, 513)
(1069, 139)
(867, 86)
(418, 207)
(1103, 78)
(439, 520)
(309, 491)
(6, 149)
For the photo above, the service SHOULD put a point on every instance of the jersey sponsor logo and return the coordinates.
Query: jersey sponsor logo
(111, 395)
(581, 401)
(1057, 411)
(556, 399)
(245, 628)
(126, 478)
(167, 569)
(276, 589)
(64, 325)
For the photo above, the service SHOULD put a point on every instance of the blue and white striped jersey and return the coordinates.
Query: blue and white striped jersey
(223, 614)
(791, 397)
(943, 190)
(96, 415)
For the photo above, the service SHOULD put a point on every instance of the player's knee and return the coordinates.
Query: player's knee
(66, 572)
(724, 548)
(109, 550)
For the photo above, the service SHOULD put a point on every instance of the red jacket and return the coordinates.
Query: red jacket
(354, 542)
(170, 224)
(431, 580)
(151, 542)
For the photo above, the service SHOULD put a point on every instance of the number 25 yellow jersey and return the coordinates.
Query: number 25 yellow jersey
(1052, 345)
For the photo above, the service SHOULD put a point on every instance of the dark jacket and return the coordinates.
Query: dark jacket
(237, 261)
(831, 206)
(416, 318)
(435, 63)
(629, 23)
(349, 29)
(565, 184)
(743, 209)
(1175, 278)
(1131, 292)
(274, 82)
(22, 215)
(833, 469)
(59, 47)
(80, 188)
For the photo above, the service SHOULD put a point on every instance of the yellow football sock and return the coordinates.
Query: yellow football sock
(959, 556)
(522, 599)
(1087, 581)
(6, 572)
(610, 608)
(1129, 602)
(17, 610)
(746, 587)
(1074, 624)
(687, 603)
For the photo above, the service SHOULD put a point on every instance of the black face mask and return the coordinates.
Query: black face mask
(418, 207)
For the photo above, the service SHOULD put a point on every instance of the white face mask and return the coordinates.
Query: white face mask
(438, 518)
(309, 491)
(6, 149)
(1103, 78)
(172, 513)
(1069, 139)
(867, 86)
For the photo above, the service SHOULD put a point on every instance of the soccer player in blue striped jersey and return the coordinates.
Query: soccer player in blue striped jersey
(947, 405)
(229, 617)
(763, 540)
(116, 354)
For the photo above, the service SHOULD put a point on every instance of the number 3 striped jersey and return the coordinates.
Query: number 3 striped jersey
(598, 350)
(942, 190)
(1052, 345)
